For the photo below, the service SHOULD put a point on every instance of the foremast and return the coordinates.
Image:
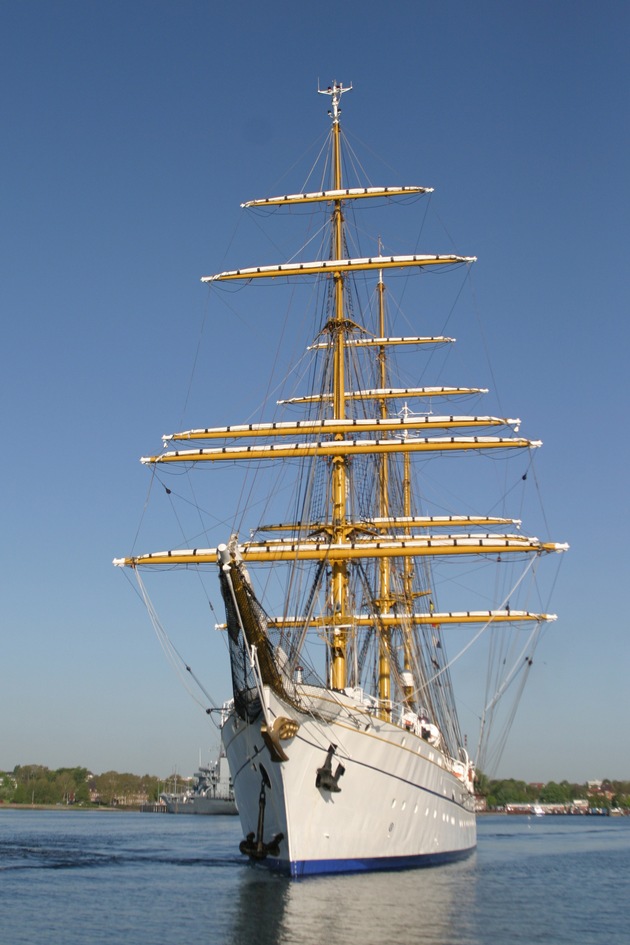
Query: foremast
(338, 328)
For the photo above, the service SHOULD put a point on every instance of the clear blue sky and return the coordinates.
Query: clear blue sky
(131, 132)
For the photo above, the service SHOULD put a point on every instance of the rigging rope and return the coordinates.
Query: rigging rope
(485, 625)
(173, 655)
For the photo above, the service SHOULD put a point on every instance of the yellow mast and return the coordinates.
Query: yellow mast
(408, 575)
(338, 328)
(384, 602)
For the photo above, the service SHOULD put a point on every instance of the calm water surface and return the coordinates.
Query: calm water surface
(133, 879)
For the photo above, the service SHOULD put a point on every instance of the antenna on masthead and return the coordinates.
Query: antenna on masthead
(335, 90)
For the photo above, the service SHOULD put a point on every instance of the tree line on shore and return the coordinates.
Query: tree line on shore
(601, 794)
(38, 785)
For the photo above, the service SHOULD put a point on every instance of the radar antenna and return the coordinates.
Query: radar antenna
(335, 90)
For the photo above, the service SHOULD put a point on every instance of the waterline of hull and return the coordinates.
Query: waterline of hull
(303, 868)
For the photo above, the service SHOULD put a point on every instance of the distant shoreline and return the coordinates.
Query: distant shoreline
(9, 805)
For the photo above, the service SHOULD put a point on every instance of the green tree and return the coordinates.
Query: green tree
(106, 786)
(37, 791)
(150, 785)
(7, 786)
(25, 774)
(508, 791)
(121, 788)
(482, 784)
(553, 793)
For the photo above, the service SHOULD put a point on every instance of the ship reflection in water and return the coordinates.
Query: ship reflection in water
(415, 906)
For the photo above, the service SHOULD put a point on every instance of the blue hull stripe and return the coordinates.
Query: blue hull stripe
(299, 868)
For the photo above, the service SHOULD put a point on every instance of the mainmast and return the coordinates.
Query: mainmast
(385, 600)
(338, 326)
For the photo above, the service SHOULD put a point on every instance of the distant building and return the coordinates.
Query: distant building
(580, 805)
(597, 789)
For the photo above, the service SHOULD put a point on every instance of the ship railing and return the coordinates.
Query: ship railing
(351, 706)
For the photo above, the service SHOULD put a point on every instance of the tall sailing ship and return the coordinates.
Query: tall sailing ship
(342, 737)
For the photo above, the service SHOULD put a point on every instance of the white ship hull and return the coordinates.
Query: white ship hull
(397, 806)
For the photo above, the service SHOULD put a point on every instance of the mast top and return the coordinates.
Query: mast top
(335, 90)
